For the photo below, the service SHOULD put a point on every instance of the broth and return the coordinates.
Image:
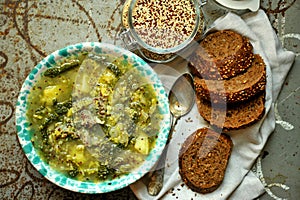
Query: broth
(93, 118)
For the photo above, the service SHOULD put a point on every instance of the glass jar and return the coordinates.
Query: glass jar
(158, 30)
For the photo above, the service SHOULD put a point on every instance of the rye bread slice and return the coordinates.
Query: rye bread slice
(222, 55)
(232, 117)
(203, 160)
(236, 89)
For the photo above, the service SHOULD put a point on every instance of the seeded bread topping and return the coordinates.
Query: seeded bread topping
(203, 159)
(229, 80)
(222, 55)
(236, 89)
(165, 23)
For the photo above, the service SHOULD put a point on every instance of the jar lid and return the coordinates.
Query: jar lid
(163, 26)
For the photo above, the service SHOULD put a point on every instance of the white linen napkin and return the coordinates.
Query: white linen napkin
(239, 182)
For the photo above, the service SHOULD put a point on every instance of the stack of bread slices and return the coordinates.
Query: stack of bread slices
(229, 80)
(230, 83)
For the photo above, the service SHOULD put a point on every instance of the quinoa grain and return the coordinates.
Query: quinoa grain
(164, 23)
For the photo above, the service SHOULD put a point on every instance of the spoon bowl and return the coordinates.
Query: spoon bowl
(181, 100)
(182, 96)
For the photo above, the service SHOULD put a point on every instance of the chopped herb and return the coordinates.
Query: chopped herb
(55, 71)
(62, 107)
(114, 69)
(74, 172)
(104, 171)
(51, 117)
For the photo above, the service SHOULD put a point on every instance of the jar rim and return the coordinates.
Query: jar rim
(160, 50)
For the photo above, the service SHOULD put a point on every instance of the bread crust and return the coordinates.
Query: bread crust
(232, 117)
(203, 159)
(229, 80)
(222, 55)
(237, 89)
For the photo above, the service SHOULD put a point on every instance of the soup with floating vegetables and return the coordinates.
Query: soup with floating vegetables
(93, 117)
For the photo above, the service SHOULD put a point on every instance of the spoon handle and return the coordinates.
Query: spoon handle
(157, 178)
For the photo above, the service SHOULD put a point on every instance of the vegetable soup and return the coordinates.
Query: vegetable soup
(93, 117)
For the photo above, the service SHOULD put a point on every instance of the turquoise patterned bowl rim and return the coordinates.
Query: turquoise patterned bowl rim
(61, 180)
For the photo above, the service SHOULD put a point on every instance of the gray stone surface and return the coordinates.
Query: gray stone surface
(32, 29)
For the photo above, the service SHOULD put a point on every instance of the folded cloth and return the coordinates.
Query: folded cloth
(239, 181)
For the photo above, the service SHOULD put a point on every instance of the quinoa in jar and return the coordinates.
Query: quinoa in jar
(164, 24)
(162, 28)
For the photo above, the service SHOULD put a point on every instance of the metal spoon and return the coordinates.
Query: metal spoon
(181, 99)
